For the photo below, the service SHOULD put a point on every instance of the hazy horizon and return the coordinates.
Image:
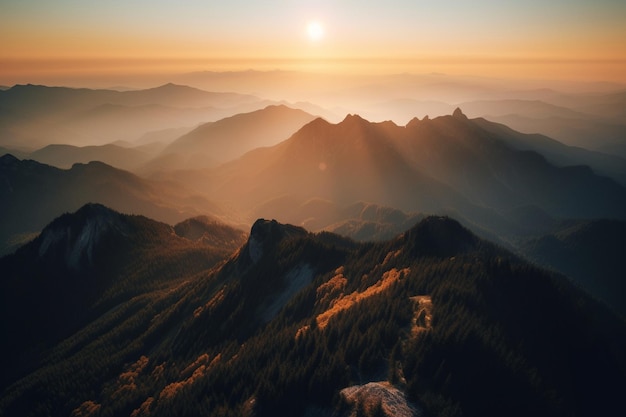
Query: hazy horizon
(142, 44)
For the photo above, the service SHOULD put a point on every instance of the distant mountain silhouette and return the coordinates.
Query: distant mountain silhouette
(594, 122)
(36, 116)
(64, 156)
(229, 138)
(33, 194)
(557, 153)
(295, 323)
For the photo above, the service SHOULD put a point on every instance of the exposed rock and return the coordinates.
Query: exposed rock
(393, 401)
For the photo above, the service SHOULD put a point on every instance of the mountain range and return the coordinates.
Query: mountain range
(119, 315)
(33, 194)
(364, 180)
(217, 142)
(480, 172)
(444, 266)
(34, 116)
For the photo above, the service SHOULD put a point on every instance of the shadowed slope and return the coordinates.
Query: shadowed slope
(294, 318)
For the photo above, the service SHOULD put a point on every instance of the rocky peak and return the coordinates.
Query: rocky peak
(266, 234)
(353, 120)
(73, 238)
(458, 114)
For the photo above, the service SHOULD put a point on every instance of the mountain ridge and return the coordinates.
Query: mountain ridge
(231, 137)
(428, 309)
(466, 168)
(35, 193)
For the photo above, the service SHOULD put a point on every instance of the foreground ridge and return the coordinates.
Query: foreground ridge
(295, 323)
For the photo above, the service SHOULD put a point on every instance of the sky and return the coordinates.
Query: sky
(572, 39)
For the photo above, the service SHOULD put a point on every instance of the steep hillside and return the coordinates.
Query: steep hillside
(591, 252)
(296, 323)
(557, 153)
(484, 167)
(85, 264)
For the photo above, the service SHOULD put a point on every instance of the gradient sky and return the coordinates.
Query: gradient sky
(587, 37)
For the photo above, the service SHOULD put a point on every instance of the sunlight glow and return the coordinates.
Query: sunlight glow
(315, 31)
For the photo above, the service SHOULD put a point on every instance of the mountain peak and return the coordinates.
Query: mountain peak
(439, 236)
(8, 160)
(172, 86)
(74, 237)
(265, 234)
(458, 114)
(353, 118)
(416, 121)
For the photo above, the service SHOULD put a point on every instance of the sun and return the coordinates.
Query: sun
(315, 31)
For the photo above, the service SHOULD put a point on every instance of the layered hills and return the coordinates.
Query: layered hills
(34, 116)
(33, 194)
(361, 179)
(297, 323)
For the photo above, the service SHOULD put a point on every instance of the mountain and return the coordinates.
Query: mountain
(35, 116)
(591, 252)
(33, 99)
(557, 153)
(536, 109)
(586, 121)
(211, 232)
(360, 221)
(33, 194)
(482, 166)
(229, 138)
(470, 169)
(89, 262)
(296, 323)
(593, 134)
(64, 156)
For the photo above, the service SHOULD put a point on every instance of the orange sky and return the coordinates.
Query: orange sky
(573, 40)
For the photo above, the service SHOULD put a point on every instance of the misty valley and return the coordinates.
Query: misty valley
(403, 246)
